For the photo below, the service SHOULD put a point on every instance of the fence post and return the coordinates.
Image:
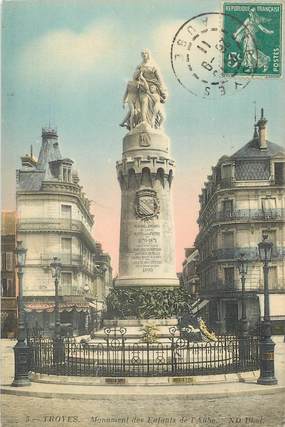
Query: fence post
(108, 355)
(147, 357)
(123, 355)
(173, 356)
(243, 351)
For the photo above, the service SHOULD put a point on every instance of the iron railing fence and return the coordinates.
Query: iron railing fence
(115, 357)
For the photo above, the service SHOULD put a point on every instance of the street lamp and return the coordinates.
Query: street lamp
(21, 350)
(55, 272)
(242, 265)
(266, 344)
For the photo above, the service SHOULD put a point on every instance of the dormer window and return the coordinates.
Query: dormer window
(66, 173)
(279, 172)
(227, 171)
(218, 175)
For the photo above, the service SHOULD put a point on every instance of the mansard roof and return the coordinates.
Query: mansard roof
(33, 173)
(49, 153)
(252, 150)
(31, 180)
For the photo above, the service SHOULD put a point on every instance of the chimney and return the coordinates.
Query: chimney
(261, 124)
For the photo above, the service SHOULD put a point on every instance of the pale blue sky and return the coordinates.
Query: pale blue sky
(69, 61)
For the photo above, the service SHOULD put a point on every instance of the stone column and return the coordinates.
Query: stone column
(147, 248)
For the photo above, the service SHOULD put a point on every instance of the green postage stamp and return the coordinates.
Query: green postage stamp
(257, 30)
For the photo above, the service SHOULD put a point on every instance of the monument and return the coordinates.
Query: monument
(147, 299)
(145, 174)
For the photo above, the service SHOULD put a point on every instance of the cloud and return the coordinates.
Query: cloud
(162, 38)
(65, 56)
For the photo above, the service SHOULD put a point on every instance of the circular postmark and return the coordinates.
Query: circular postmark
(209, 59)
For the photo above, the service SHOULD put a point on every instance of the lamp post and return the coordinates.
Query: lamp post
(21, 350)
(266, 344)
(242, 264)
(55, 272)
(86, 291)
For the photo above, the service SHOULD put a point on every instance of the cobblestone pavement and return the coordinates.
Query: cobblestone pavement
(252, 411)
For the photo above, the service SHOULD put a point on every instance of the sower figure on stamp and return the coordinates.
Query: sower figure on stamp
(252, 57)
(144, 95)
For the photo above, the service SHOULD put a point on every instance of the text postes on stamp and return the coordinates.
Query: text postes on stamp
(197, 56)
(259, 36)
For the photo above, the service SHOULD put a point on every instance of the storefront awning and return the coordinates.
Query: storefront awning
(49, 307)
(277, 306)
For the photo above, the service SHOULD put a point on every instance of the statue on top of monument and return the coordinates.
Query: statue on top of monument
(145, 95)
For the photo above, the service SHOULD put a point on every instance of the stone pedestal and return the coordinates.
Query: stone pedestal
(147, 248)
(133, 330)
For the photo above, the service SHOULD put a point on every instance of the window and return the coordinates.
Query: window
(218, 175)
(7, 287)
(66, 246)
(227, 171)
(227, 208)
(3, 261)
(66, 211)
(229, 276)
(228, 239)
(268, 207)
(9, 261)
(272, 278)
(64, 174)
(66, 283)
(279, 171)
(3, 287)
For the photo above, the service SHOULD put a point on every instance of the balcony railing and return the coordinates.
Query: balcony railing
(68, 261)
(234, 253)
(247, 215)
(56, 225)
(65, 259)
(251, 214)
(250, 253)
(233, 286)
(48, 224)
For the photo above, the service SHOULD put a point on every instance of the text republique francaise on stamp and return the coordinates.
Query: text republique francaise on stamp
(216, 54)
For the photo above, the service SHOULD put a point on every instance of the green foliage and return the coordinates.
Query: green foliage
(141, 303)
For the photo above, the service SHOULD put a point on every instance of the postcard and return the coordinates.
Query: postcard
(143, 213)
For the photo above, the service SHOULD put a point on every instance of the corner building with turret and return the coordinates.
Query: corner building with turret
(54, 220)
(243, 199)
